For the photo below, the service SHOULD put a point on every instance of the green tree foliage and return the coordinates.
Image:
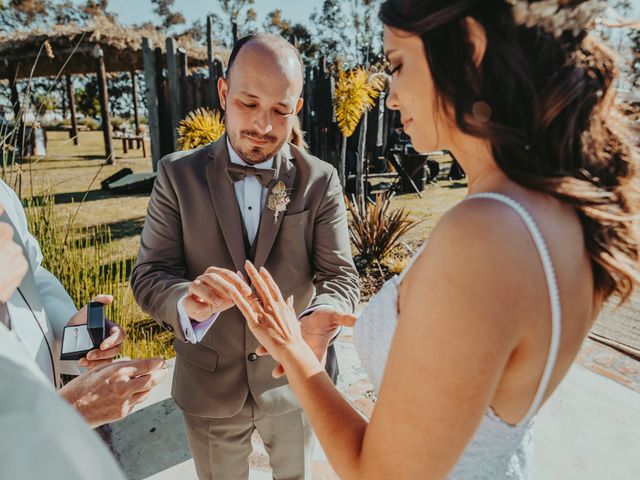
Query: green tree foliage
(296, 33)
(169, 17)
(348, 30)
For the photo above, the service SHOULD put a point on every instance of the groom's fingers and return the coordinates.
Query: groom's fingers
(231, 277)
(261, 351)
(204, 293)
(278, 372)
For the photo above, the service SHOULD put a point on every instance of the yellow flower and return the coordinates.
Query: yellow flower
(200, 127)
(355, 93)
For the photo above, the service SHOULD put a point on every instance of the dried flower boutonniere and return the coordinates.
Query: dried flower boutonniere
(278, 200)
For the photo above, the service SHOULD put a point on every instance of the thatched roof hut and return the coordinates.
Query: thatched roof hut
(122, 48)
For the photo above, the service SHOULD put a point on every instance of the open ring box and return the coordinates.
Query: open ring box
(78, 340)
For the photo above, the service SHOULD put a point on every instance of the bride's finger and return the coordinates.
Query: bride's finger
(261, 351)
(271, 284)
(244, 306)
(261, 287)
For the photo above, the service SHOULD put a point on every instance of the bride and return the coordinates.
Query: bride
(467, 344)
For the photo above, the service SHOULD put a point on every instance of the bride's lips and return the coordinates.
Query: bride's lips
(406, 123)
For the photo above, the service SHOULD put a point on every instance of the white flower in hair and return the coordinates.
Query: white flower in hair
(553, 17)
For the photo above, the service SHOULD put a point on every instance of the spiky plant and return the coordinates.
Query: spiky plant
(375, 231)
(200, 127)
(355, 93)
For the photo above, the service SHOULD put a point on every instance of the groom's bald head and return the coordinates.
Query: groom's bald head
(272, 49)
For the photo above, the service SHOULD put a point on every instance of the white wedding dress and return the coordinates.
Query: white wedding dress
(498, 450)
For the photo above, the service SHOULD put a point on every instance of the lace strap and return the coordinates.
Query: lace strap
(552, 286)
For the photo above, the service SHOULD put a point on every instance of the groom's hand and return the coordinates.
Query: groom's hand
(208, 294)
(320, 326)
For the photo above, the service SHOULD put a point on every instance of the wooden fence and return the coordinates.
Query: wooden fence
(173, 92)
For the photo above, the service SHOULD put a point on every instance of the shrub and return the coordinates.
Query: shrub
(200, 127)
(374, 231)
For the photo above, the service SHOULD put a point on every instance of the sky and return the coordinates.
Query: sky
(137, 11)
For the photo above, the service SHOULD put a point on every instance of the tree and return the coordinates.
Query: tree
(164, 9)
(235, 14)
(27, 14)
(348, 31)
(635, 60)
(296, 33)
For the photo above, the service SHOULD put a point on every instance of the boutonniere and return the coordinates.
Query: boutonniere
(278, 200)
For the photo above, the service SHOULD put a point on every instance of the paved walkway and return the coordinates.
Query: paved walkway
(588, 430)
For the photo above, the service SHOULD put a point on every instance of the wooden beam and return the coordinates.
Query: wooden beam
(134, 94)
(72, 110)
(172, 77)
(104, 106)
(215, 104)
(152, 102)
(183, 84)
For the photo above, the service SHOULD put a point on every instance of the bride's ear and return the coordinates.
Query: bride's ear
(477, 38)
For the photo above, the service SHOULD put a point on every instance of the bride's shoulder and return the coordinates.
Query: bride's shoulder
(480, 237)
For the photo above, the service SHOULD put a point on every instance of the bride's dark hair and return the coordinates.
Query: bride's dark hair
(554, 124)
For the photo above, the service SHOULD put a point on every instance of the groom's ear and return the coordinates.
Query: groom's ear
(223, 89)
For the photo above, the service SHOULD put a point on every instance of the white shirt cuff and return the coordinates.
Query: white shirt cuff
(193, 331)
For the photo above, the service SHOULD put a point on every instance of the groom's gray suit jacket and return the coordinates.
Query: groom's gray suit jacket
(194, 222)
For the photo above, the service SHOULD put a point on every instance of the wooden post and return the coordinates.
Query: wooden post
(184, 85)
(362, 151)
(134, 94)
(172, 76)
(152, 102)
(72, 109)
(17, 115)
(212, 74)
(104, 105)
(63, 97)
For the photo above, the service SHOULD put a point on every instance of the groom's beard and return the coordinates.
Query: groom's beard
(253, 154)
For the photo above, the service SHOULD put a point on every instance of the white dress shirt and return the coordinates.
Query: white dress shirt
(252, 197)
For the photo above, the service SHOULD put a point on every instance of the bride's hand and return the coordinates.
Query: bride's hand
(271, 319)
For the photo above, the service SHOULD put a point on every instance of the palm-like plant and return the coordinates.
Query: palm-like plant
(355, 93)
(200, 127)
(375, 231)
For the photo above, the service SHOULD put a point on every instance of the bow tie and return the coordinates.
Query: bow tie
(239, 172)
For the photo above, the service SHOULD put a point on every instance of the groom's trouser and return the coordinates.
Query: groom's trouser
(221, 446)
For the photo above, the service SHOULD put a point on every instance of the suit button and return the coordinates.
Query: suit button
(252, 357)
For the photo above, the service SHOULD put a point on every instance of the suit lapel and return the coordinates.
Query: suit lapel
(225, 202)
(268, 230)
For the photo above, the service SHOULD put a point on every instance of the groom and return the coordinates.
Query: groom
(250, 195)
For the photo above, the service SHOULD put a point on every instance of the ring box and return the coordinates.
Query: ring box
(78, 340)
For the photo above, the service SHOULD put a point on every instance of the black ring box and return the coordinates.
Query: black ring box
(78, 340)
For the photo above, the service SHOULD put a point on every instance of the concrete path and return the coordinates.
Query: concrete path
(588, 430)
